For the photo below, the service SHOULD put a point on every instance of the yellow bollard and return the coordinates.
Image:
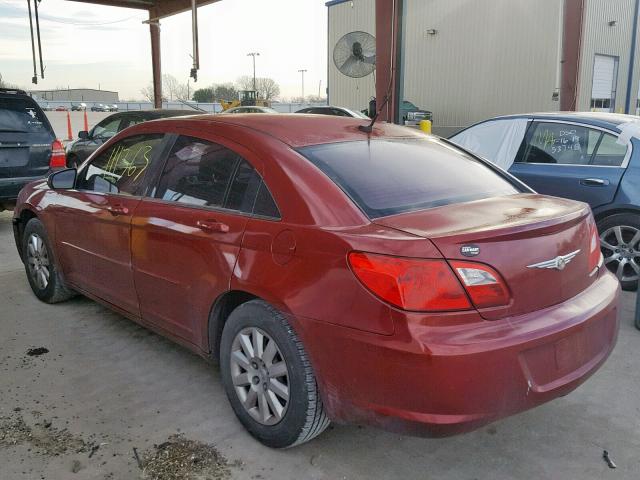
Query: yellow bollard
(425, 126)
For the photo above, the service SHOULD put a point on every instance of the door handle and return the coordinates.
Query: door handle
(594, 182)
(116, 210)
(212, 226)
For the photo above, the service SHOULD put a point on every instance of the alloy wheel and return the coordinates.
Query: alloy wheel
(621, 251)
(38, 261)
(260, 375)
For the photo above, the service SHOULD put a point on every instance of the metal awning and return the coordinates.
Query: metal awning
(157, 8)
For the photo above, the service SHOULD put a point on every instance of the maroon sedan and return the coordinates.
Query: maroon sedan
(386, 278)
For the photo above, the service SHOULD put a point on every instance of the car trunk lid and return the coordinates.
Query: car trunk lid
(514, 235)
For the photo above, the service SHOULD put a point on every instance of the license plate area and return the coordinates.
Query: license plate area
(14, 157)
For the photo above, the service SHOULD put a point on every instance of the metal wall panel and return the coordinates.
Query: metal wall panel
(347, 17)
(487, 58)
(600, 38)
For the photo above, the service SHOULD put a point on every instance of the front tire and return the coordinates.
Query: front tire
(620, 242)
(42, 271)
(268, 378)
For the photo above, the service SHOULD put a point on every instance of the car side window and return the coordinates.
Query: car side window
(244, 187)
(265, 205)
(609, 153)
(249, 193)
(203, 173)
(130, 122)
(122, 167)
(197, 172)
(106, 130)
(560, 143)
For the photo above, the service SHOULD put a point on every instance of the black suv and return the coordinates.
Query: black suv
(88, 142)
(28, 146)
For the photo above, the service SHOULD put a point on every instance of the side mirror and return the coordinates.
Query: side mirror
(63, 179)
(83, 134)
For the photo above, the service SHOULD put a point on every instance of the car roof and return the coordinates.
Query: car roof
(158, 113)
(299, 130)
(607, 120)
(323, 106)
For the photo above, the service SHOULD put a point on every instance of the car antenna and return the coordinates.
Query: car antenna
(369, 128)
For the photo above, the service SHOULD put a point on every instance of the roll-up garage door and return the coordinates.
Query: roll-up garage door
(605, 73)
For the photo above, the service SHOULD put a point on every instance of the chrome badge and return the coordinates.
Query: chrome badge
(470, 250)
(558, 263)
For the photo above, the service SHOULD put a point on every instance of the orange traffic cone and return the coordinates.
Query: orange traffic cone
(86, 121)
(69, 131)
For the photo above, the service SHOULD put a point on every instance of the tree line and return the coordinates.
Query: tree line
(172, 89)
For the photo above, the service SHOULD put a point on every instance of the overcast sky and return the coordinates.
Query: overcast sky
(90, 46)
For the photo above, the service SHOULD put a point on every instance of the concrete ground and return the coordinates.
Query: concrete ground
(109, 384)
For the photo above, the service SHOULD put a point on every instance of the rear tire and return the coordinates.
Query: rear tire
(620, 241)
(42, 272)
(268, 378)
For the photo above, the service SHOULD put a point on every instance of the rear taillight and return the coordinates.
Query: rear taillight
(485, 286)
(410, 284)
(58, 157)
(595, 255)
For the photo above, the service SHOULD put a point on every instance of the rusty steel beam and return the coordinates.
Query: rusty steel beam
(571, 48)
(156, 63)
(388, 44)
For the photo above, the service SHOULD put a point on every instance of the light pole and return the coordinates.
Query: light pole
(254, 55)
(302, 72)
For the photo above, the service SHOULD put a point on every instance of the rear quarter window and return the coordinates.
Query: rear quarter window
(387, 177)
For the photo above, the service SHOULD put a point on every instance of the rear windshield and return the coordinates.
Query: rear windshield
(21, 115)
(387, 177)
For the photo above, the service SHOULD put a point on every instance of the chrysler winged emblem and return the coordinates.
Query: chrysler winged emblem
(558, 263)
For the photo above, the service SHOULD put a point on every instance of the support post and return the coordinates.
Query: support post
(388, 25)
(156, 63)
(632, 62)
(571, 49)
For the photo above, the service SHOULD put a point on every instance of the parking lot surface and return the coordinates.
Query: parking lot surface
(106, 386)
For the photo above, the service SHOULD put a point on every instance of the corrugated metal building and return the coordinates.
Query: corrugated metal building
(468, 60)
(77, 95)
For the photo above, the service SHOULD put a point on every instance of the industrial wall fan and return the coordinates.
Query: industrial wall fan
(355, 54)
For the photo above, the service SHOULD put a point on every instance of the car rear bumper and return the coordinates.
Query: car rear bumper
(10, 187)
(438, 381)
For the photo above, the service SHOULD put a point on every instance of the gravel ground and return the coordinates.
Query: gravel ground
(105, 386)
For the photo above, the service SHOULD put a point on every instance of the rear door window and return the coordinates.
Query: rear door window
(123, 167)
(206, 174)
(22, 115)
(387, 177)
(197, 172)
(560, 143)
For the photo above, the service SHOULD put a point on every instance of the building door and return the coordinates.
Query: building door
(605, 79)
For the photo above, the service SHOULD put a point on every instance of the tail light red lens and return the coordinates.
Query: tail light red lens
(410, 284)
(485, 286)
(595, 255)
(58, 157)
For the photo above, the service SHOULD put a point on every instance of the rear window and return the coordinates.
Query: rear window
(21, 115)
(387, 177)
